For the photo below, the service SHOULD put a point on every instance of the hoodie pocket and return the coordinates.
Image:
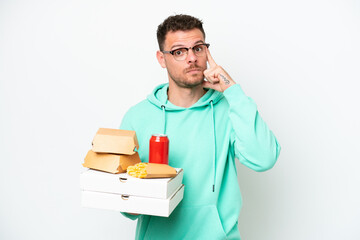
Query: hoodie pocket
(187, 223)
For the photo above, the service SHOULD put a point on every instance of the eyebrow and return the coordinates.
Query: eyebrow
(181, 45)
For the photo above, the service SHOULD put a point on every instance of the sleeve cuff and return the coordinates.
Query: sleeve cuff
(235, 91)
(130, 216)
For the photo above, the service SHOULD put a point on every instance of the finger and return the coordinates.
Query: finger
(207, 75)
(211, 61)
(207, 85)
(212, 79)
(211, 86)
(211, 76)
(208, 79)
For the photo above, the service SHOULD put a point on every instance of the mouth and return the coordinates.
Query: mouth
(194, 70)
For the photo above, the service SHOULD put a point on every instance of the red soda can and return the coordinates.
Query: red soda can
(159, 149)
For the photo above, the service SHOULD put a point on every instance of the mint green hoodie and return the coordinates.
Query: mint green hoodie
(204, 141)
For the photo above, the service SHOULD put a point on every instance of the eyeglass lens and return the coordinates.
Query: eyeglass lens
(181, 53)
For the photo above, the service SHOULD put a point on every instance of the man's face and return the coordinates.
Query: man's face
(187, 73)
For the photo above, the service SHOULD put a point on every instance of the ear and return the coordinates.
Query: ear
(161, 59)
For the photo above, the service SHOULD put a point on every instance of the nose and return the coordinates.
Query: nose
(191, 57)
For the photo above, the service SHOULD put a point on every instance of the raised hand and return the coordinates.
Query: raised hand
(217, 78)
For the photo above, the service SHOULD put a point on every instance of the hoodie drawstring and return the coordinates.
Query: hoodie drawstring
(214, 135)
(163, 108)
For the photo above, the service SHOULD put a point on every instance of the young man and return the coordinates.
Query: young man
(209, 124)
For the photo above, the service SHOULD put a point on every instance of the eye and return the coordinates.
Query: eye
(198, 48)
(179, 52)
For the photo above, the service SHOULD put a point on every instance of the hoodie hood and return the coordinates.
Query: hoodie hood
(159, 98)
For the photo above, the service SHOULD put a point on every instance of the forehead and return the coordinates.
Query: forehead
(183, 38)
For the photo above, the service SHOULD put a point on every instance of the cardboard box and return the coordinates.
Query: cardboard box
(152, 170)
(122, 183)
(133, 204)
(117, 141)
(112, 163)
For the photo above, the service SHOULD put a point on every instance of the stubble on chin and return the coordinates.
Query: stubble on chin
(189, 82)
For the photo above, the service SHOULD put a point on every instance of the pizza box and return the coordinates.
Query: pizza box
(122, 183)
(132, 204)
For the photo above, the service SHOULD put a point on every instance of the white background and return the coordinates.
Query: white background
(70, 67)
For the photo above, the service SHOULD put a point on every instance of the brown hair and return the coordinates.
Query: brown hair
(174, 23)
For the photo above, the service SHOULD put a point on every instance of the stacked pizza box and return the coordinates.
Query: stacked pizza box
(106, 184)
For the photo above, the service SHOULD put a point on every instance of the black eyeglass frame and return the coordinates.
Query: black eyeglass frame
(187, 49)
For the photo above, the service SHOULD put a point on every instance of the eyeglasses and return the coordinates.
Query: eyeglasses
(180, 54)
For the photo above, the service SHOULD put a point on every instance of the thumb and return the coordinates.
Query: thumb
(216, 86)
(207, 84)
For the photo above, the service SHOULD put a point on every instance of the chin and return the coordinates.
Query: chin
(196, 79)
(194, 84)
(189, 81)
(189, 84)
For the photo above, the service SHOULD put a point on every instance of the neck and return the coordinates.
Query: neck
(184, 97)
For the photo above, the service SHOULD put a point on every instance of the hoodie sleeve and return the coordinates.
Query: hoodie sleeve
(126, 121)
(255, 145)
(126, 125)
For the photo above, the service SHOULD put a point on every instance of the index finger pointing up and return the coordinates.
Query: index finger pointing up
(211, 61)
